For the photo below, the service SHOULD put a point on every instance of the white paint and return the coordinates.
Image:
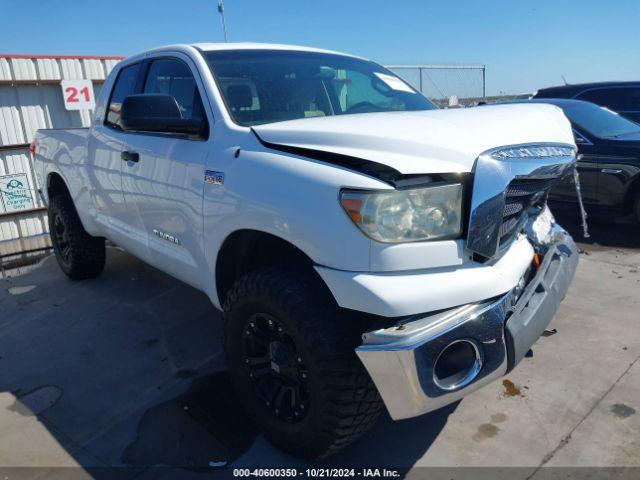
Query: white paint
(434, 141)
(394, 294)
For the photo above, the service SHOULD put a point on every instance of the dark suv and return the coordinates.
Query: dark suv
(621, 97)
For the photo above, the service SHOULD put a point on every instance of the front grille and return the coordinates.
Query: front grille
(522, 194)
(510, 184)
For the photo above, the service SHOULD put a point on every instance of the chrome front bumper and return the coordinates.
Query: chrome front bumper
(401, 360)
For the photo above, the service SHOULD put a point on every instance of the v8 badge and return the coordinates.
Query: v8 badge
(213, 177)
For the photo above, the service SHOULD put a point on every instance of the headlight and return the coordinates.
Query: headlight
(411, 215)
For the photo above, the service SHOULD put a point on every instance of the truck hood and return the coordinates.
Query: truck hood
(433, 141)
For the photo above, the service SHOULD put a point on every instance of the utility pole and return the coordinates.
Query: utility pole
(224, 23)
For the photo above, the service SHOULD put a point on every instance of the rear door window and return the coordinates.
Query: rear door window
(124, 86)
(619, 99)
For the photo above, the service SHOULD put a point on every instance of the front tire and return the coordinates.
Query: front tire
(290, 353)
(79, 254)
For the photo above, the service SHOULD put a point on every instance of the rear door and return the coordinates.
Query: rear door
(104, 147)
(163, 189)
(623, 100)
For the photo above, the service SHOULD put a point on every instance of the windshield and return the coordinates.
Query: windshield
(599, 121)
(264, 86)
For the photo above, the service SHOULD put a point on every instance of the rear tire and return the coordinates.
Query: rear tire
(290, 352)
(79, 254)
(636, 208)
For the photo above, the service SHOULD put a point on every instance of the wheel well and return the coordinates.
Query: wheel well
(56, 186)
(247, 250)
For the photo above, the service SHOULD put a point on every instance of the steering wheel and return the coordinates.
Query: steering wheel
(362, 107)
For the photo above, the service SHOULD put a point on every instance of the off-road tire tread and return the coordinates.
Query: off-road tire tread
(352, 404)
(87, 252)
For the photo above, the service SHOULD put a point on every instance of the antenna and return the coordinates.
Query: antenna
(224, 23)
(563, 79)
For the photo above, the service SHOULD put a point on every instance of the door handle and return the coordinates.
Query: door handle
(611, 170)
(130, 156)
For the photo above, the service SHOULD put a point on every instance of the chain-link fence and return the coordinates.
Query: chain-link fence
(446, 85)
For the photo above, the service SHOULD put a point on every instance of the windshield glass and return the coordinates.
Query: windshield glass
(599, 121)
(264, 86)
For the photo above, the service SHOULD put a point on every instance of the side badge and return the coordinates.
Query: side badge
(166, 236)
(213, 177)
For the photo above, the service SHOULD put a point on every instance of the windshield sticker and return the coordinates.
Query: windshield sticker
(394, 83)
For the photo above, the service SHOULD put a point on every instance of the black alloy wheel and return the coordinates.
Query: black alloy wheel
(60, 238)
(291, 356)
(276, 368)
(79, 254)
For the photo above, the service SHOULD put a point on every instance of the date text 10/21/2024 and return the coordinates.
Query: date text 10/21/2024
(318, 472)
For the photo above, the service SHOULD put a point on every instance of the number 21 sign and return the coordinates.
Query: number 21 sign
(78, 94)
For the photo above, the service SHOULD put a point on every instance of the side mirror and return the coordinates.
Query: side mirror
(580, 139)
(150, 112)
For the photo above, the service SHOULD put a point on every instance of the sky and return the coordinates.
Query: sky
(525, 45)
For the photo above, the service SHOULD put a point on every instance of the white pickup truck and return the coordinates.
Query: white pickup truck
(366, 248)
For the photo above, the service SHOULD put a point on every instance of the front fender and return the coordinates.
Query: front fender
(289, 197)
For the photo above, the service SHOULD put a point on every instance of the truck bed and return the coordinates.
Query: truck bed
(59, 150)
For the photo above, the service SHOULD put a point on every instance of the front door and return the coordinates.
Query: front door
(163, 176)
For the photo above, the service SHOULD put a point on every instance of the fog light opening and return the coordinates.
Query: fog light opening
(457, 365)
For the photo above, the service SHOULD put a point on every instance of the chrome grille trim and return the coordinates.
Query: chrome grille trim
(494, 170)
(534, 151)
(520, 196)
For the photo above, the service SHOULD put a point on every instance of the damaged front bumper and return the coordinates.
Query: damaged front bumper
(429, 361)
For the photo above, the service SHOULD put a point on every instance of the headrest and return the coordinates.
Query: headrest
(239, 96)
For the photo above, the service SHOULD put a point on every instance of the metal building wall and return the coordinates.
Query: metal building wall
(31, 98)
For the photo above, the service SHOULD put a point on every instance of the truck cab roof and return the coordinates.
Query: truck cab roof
(237, 46)
(208, 47)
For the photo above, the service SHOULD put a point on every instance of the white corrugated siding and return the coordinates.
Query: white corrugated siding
(48, 69)
(71, 69)
(25, 108)
(5, 70)
(93, 69)
(55, 68)
(11, 131)
(23, 68)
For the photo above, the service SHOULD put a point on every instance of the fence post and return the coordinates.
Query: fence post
(484, 82)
